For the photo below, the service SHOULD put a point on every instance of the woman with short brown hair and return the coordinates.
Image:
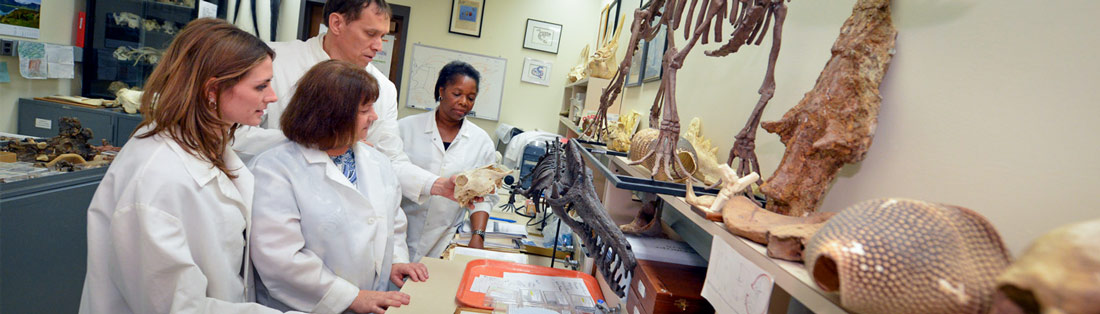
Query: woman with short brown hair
(168, 225)
(329, 232)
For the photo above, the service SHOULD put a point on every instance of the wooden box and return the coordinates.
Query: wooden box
(659, 287)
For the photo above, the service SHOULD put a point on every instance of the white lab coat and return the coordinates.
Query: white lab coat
(166, 234)
(292, 60)
(318, 238)
(433, 223)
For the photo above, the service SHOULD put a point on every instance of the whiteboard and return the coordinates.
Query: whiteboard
(425, 66)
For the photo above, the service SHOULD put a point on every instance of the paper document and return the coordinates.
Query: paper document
(734, 284)
(59, 61)
(664, 250)
(32, 60)
(502, 256)
(571, 286)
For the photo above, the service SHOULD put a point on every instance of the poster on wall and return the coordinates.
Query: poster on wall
(466, 17)
(20, 17)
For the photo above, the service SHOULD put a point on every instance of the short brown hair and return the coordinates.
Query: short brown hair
(175, 101)
(350, 9)
(323, 111)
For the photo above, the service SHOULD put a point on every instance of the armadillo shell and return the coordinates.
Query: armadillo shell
(645, 141)
(907, 256)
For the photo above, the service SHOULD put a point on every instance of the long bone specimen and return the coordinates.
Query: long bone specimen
(835, 122)
(562, 181)
(750, 20)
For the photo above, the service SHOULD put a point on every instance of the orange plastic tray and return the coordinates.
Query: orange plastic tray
(497, 268)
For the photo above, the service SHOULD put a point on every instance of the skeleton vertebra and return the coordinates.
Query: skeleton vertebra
(478, 182)
(602, 64)
(562, 177)
(907, 256)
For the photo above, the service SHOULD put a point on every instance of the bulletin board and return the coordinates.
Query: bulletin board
(424, 71)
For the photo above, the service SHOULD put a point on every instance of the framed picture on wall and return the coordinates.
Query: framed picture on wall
(466, 17)
(536, 71)
(654, 56)
(542, 36)
(637, 62)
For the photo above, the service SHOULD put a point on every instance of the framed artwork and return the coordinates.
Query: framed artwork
(467, 17)
(637, 62)
(542, 36)
(609, 22)
(654, 56)
(536, 71)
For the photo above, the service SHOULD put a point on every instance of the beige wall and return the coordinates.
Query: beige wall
(56, 28)
(990, 105)
(525, 105)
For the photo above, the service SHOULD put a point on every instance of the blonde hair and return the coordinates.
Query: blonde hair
(175, 101)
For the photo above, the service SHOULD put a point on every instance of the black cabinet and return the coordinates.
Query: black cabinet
(126, 38)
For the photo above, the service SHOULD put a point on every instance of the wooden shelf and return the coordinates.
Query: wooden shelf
(791, 277)
(572, 128)
(580, 82)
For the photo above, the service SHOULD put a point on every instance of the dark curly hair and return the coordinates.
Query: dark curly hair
(452, 72)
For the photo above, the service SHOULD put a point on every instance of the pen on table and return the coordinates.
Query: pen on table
(502, 219)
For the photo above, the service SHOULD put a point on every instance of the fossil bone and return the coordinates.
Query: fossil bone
(129, 99)
(602, 64)
(731, 185)
(126, 19)
(706, 154)
(835, 122)
(1058, 273)
(621, 133)
(750, 20)
(580, 71)
(645, 142)
(907, 256)
(562, 177)
(478, 182)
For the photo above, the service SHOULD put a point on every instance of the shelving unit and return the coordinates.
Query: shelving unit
(591, 98)
(789, 277)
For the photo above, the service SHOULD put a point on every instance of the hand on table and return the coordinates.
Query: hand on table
(416, 271)
(378, 301)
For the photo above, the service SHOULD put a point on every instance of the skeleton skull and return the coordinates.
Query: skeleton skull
(1059, 273)
(478, 182)
(129, 99)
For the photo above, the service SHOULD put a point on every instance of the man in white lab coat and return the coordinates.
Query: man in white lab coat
(355, 30)
(443, 141)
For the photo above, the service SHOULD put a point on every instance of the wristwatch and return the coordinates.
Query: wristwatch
(480, 233)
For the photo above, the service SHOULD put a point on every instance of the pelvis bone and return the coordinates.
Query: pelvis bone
(478, 182)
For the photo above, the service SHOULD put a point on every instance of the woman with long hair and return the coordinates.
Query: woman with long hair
(168, 225)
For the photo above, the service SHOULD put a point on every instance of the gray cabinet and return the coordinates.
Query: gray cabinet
(43, 241)
(42, 119)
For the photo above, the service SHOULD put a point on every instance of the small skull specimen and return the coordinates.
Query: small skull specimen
(478, 182)
(908, 256)
(129, 99)
(618, 137)
(1058, 273)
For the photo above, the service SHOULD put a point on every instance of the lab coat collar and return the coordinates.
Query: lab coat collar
(239, 190)
(362, 159)
(431, 127)
(317, 47)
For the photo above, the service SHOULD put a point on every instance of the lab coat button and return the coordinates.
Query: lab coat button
(370, 220)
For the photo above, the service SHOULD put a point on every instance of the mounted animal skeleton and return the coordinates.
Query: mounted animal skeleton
(562, 181)
(750, 20)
